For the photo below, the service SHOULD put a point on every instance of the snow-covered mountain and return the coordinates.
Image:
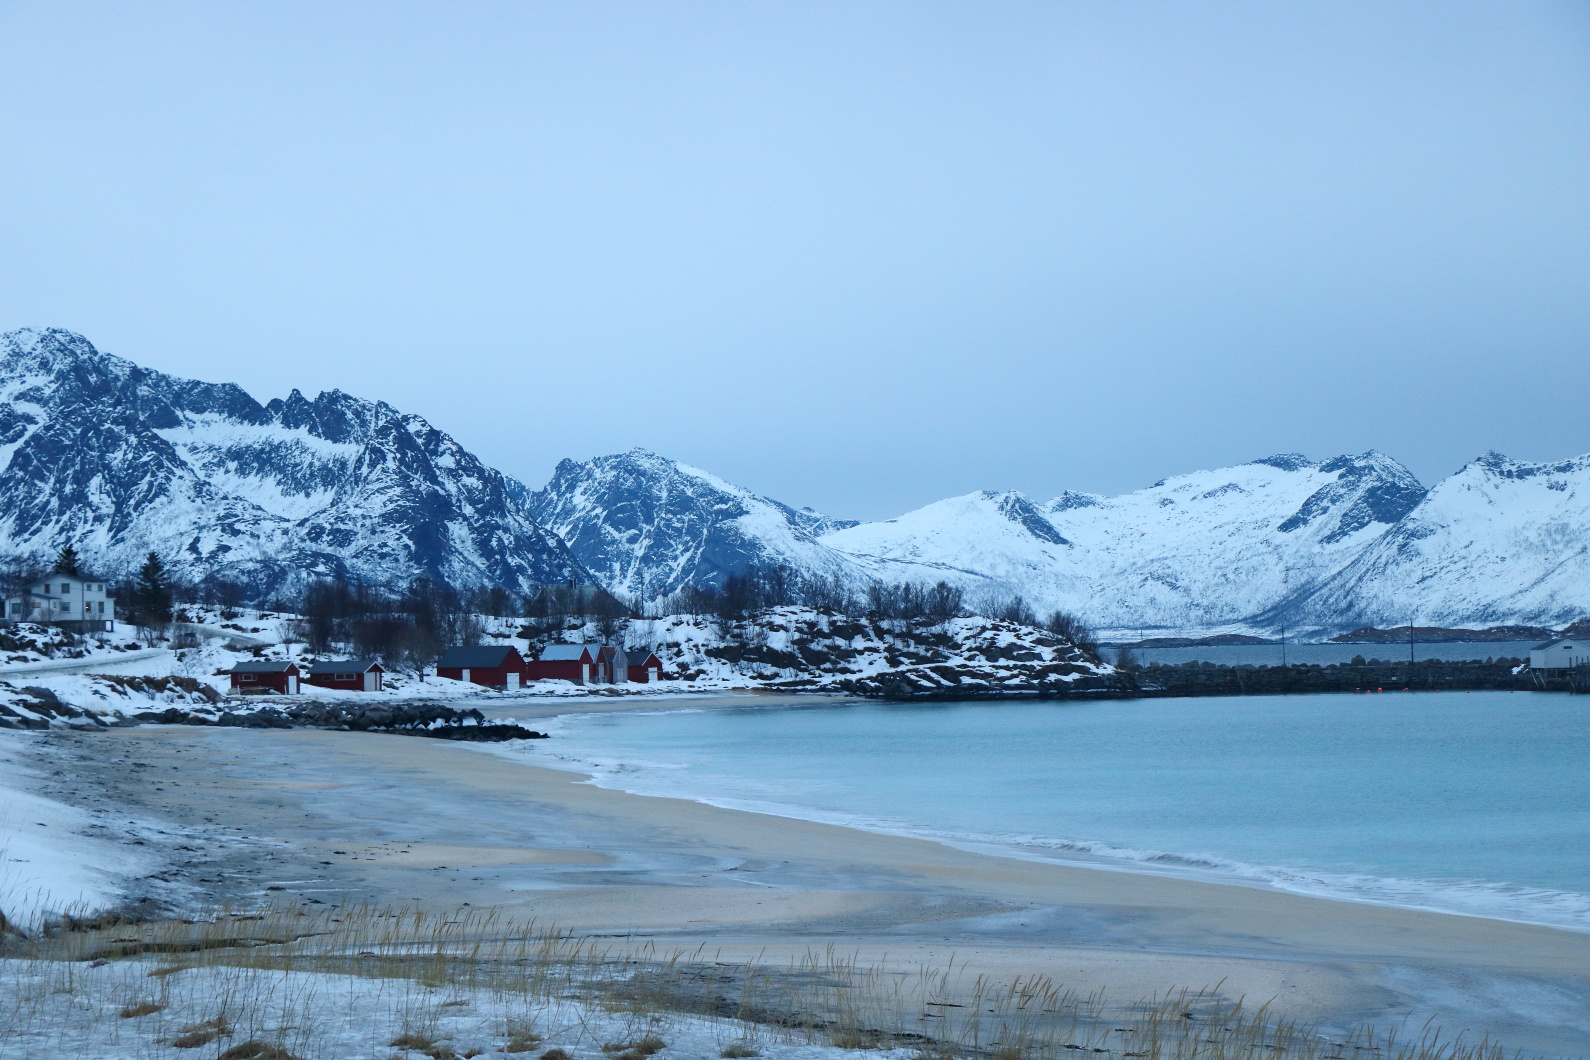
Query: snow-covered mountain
(1500, 541)
(1208, 549)
(645, 525)
(119, 460)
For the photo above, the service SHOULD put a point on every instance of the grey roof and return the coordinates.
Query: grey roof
(564, 652)
(636, 656)
(263, 666)
(1554, 643)
(483, 656)
(343, 666)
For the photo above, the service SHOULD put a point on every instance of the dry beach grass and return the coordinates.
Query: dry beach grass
(283, 982)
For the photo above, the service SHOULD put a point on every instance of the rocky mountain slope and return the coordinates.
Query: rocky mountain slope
(120, 460)
(645, 525)
(1501, 541)
(1202, 550)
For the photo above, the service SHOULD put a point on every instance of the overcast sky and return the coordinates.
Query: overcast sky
(857, 255)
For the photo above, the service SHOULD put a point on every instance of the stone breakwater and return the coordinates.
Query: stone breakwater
(431, 720)
(1204, 679)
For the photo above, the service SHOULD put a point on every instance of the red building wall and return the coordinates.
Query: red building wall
(276, 682)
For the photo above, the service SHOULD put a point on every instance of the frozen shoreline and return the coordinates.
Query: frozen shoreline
(325, 818)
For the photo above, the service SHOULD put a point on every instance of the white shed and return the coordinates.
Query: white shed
(1559, 655)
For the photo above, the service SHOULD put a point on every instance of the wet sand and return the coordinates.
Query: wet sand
(308, 816)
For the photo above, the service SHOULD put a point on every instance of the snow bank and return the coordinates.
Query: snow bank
(47, 865)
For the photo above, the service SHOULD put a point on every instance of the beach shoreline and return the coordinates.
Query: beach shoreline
(320, 817)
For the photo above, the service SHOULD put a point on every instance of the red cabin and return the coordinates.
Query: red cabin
(263, 678)
(492, 665)
(641, 665)
(564, 662)
(350, 675)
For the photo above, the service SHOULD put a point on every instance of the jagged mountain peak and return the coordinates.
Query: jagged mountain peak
(120, 460)
(647, 525)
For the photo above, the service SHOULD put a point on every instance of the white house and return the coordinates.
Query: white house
(71, 600)
(1559, 655)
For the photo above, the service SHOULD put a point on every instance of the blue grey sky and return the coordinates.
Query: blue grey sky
(858, 255)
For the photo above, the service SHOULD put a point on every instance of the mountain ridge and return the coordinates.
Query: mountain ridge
(120, 460)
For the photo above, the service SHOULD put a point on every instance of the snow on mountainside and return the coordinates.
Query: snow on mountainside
(120, 460)
(1207, 549)
(1500, 541)
(646, 525)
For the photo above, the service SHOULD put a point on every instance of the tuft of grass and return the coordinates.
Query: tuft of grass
(256, 1051)
(738, 1050)
(854, 1038)
(197, 1034)
(556, 1054)
(410, 1040)
(143, 1008)
(521, 1038)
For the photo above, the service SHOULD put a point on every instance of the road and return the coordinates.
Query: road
(98, 664)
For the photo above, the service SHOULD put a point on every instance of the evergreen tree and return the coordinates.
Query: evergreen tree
(154, 592)
(66, 562)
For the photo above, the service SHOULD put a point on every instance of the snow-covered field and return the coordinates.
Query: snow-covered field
(128, 1009)
(378, 984)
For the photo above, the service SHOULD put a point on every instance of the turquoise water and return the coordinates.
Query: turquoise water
(1466, 802)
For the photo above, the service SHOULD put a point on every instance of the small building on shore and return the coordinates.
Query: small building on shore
(349, 675)
(265, 677)
(565, 662)
(1562, 654)
(72, 601)
(637, 666)
(493, 665)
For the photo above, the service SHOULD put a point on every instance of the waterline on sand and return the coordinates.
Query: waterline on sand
(1455, 804)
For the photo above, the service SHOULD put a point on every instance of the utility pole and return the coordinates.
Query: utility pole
(1286, 587)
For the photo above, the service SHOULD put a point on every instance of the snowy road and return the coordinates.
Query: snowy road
(98, 664)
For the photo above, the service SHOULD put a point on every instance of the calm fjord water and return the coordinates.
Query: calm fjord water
(1467, 802)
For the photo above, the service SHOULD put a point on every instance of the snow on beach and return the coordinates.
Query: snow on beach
(49, 865)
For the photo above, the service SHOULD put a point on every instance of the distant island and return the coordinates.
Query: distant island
(1443, 635)
(1219, 640)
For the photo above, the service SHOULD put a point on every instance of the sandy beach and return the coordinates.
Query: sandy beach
(309, 816)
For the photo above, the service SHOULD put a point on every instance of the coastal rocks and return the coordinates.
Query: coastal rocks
(802, 649)
(408, 719)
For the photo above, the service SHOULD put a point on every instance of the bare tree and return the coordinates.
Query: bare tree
(1065, 624)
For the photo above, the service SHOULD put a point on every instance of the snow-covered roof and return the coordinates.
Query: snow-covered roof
(483, 656)
(264, 666)
(344, 666)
